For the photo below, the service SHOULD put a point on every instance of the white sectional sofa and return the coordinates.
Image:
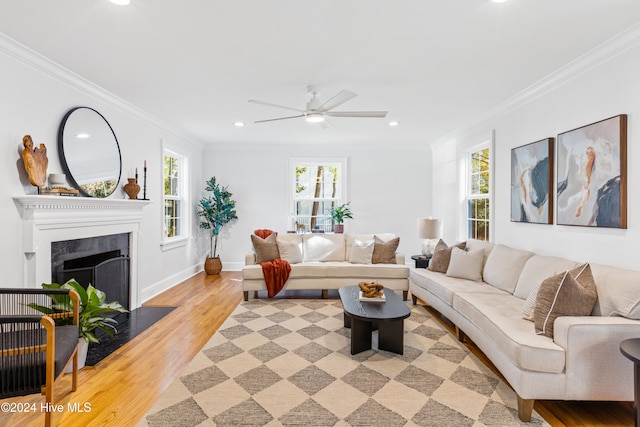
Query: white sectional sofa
(581, 361)
(329, 261)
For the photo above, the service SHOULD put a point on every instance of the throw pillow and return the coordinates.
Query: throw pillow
(290, 251)
(385, 252)
(442, 255)
(572, 293)
(530, 302)
(266, 249)
(466, 265)
(361, 252)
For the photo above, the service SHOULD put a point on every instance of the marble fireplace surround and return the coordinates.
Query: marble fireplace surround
(47, 219)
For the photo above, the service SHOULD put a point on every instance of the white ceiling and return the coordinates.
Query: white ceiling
(435, 65)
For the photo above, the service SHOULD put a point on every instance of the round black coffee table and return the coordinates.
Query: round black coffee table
(363, 317)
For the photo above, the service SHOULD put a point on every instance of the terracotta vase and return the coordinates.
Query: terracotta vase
(213, 266)
(132, 188)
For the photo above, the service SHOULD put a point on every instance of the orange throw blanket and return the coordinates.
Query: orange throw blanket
(275, 272)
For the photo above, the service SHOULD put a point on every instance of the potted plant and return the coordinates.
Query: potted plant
(93, 306)
(339, 214)
(215, 211)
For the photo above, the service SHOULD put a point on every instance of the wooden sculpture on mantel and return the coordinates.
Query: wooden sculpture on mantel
(35, 162)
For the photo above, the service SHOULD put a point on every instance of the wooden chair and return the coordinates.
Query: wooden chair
(36, 348)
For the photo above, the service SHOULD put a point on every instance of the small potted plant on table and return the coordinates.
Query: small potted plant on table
(339, 214)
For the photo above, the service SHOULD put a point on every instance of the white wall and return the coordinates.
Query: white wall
(590, 92)
(35, 96)
(388, 190)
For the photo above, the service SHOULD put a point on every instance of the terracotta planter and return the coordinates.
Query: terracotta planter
(338, 228)
(213, 266)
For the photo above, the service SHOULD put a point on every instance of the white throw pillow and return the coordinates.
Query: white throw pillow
(361, 252)
(466, 265)
(290, 251)
(530, 303)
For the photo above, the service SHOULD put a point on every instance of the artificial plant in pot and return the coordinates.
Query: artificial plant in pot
(339, 214)
(215, 210)
(93, 307)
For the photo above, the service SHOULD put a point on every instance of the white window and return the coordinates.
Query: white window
(174, 196)
(479, 192)
(317, 187)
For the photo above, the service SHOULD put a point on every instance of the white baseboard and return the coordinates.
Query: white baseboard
(232, 266)
(168, 283)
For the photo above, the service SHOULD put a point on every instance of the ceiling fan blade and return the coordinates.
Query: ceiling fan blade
(364, 114)
(255, 101)
(279, 118)
(340, 98)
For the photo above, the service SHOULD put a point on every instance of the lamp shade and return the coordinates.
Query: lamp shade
(429, 228)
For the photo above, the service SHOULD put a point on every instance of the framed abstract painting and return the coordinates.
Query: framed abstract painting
(531, 182)
(592, 175)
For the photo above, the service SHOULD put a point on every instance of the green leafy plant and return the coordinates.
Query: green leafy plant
(340, 213)
(216, 210)
(92, 307)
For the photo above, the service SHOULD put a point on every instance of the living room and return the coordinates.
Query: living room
(391, 181)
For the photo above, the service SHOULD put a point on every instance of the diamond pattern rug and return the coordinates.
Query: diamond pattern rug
(287, 362)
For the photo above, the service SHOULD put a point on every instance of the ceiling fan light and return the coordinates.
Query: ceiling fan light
(314, 118)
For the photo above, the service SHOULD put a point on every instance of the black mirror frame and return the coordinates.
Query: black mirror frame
(63, 160)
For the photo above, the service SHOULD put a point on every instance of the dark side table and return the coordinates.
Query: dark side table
(631, 350)
(422, 261)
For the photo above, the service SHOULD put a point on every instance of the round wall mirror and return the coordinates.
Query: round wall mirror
(89, 152)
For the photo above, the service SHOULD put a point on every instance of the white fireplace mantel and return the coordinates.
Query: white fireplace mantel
(47, 219)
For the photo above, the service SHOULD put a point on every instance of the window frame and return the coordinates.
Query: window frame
(340, 162)
(183, 197)
(470, 197)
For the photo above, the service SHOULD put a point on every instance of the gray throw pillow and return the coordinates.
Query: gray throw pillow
(384, 252)
(442, 255)
(266, 249)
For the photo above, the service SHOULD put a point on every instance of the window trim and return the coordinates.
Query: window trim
(296, 161)
(167, 243)
(468, 196)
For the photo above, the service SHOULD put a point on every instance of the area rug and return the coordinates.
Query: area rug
(287, 362)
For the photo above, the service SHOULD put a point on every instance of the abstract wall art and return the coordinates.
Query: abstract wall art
(592, 179)
(531, 182)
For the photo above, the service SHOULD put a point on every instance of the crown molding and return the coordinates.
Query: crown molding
(616, 45)
(31, 58)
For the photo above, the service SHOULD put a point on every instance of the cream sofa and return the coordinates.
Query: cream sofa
(328, 261)
(582, 360)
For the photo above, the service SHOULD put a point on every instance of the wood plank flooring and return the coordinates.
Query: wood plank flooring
(122, 388)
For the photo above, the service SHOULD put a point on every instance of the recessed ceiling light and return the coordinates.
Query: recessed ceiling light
(238, 124)
(120, 2)
(498, 1)
(394, 123)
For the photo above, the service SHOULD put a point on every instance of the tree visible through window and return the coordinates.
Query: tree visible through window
(478, 194)
(173, 194)
(318, 188)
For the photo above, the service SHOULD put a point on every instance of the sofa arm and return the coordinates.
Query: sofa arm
(250, 258)
(399, 258)
(595, 368)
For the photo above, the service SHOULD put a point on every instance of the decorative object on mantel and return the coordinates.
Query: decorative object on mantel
(144, 182)
(35, 162)
(57, 186)
(132, 188)
(215, 211)
(339, 214)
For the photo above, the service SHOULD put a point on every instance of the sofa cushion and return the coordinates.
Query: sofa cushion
(572, 293)
(384, 252)
(536, 269)
(497, 315)
(618, 291)
(503, 267)
(361, 251)
(290, 248)
(323, 247)
(344, 269)
(474, 244)
(442, 255)
(445, 287)
(466, 264)
(266, 249)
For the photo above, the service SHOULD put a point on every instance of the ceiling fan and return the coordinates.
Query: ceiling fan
(316, 111)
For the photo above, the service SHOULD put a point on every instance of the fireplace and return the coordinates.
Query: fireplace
(50, 219)
(102, 261)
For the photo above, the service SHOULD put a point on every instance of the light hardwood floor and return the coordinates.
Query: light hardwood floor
(122, 388)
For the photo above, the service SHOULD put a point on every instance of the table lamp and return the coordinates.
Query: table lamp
(429, 229)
